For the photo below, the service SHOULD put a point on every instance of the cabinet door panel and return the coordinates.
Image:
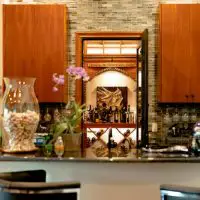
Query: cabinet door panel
(195, 53)
(34, 45)
(175, 56)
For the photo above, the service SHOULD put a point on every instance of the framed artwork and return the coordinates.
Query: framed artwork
(112, 96)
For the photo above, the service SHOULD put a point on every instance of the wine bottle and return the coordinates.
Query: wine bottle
(90, 114)
(131, 117)
(123, 114)
(119, 116)
(128, 114)
(104, 113)
(96, 115)
(116, 115)
(110, 115)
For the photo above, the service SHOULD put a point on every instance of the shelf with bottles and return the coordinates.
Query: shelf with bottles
(112, 116)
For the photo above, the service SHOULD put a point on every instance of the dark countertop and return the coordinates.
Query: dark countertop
(134, 157)
(102, 160)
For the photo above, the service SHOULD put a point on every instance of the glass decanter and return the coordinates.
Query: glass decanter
(47, 116)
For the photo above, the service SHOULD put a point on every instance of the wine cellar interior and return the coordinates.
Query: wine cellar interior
(112, 95)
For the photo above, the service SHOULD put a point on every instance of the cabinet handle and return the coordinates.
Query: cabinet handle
(187, 96)
(192, 96)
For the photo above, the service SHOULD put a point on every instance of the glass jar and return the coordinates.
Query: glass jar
(20, 115)
(176, 116)
(185, 116)
(167, 119)
(193, 116)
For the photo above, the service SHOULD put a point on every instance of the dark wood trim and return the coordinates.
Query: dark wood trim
(145, 105)
(81, 36)
(108, 125)
(96, 35)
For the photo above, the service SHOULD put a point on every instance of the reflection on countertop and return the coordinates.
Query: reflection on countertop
(135, 156)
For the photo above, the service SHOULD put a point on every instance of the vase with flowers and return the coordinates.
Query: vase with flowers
(69, 124)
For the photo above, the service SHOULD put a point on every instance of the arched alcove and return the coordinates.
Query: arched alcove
(111, 78)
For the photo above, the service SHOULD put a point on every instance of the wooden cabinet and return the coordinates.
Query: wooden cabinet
(179, 53)
(34, 45)
(195, 52)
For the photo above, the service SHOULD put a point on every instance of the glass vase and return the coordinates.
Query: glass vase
(20, 115)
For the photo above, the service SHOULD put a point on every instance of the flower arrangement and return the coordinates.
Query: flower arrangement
(69, 122)
(74, 72)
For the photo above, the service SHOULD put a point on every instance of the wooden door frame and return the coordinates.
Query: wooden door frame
(81, 36)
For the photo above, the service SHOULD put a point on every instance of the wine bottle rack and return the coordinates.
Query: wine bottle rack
(97, 136)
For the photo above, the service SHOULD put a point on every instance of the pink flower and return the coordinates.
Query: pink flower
(55, 78)
(77, 72)
(61, 80)
(58, 79)
(55, 89)
(71, 70)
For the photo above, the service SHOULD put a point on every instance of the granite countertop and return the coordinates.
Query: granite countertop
(135, 156)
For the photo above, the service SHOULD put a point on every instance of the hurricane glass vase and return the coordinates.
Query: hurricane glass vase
(20, 115)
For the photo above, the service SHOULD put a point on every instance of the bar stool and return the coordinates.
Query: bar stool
(31, 185)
